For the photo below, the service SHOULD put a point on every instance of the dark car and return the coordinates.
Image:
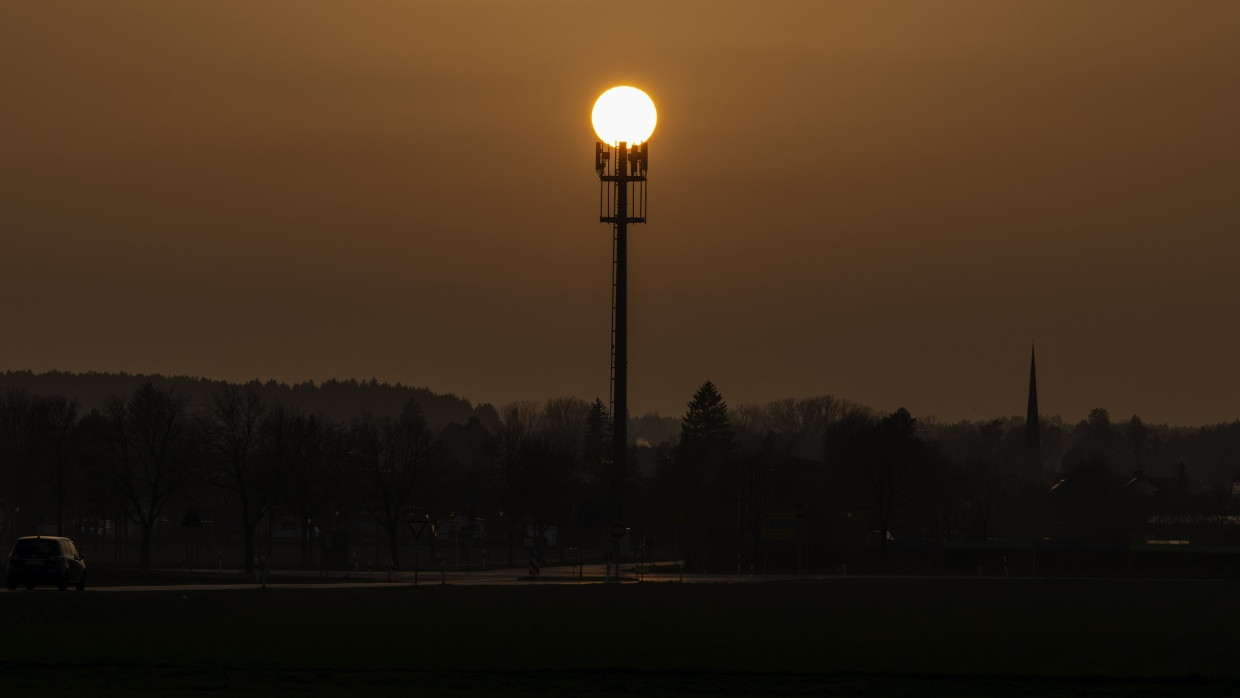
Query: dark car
(46, 560)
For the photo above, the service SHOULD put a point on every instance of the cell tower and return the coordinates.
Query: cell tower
(622, 200)
(624, 118)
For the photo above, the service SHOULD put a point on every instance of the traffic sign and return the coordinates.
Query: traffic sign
(417, 526)
(778, 525)
(616, 530)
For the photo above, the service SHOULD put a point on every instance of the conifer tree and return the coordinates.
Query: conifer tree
(700, 478)
(596, 442)
(705, 431)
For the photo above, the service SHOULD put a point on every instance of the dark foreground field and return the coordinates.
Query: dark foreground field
(845, 637)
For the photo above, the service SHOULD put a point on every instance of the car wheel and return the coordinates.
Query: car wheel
(29, 586)
(63, 583)
(81, 583)
(12, 584)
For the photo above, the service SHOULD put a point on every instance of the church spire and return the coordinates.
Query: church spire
(1033, 426)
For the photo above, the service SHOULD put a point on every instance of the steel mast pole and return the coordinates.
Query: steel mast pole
(620, 402)
(620, 168)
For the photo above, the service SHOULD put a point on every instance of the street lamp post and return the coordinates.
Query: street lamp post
(624, 118)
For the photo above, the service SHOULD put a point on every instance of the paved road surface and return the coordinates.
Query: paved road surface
(588, 574)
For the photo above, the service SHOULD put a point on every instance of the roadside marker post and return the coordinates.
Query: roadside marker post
(798, 513)
(535, 560)
(616, 530)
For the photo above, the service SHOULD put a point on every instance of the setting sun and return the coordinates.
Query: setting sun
(624, 115)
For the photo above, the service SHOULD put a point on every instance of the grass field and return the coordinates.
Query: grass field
(842, 637)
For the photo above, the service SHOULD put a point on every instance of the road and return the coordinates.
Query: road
(588, 574)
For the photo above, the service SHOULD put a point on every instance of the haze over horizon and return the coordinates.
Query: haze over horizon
(884, 202)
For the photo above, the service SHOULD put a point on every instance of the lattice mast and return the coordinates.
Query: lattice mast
(622, 200)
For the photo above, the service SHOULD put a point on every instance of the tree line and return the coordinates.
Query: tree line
(337, 399)
(857, 478)
(151, 455)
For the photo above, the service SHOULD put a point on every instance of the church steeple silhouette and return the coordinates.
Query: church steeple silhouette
(1033, 426)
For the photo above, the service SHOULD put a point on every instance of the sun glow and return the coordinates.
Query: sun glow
(624, 114)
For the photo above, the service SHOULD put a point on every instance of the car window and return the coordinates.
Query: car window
(36, 547)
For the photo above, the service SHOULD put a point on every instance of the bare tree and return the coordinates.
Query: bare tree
(804, 423)
(232, 426)
(315, 472)
(517, 424)
(989, 475)
(56, 445)
(531, 469)
(149, 454)
(886, 467)
(562, 421)
(14, 454)
(393, 456)
(798, 426)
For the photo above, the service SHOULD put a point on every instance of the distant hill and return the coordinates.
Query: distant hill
(339, 400)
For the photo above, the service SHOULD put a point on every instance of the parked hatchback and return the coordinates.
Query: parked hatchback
(46, 560)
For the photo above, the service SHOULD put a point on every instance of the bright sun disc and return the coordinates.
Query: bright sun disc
(624, 114)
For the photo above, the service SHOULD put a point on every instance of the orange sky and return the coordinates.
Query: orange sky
(882, 201)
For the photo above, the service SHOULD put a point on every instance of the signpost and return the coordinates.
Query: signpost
(416, 527)
(778, 525)
(616, 530)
